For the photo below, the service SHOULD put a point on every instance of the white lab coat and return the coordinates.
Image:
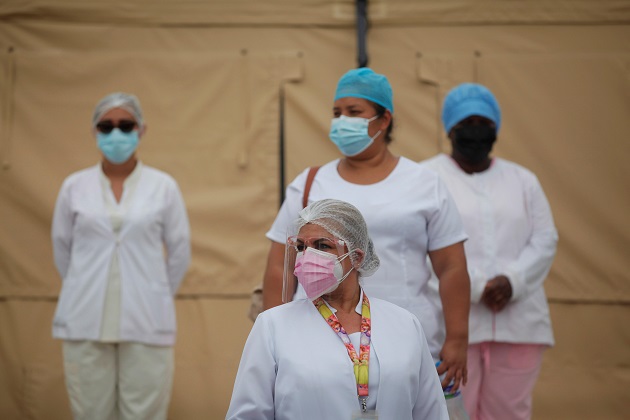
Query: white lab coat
(294, 366)
(511, 232)
(84, 243)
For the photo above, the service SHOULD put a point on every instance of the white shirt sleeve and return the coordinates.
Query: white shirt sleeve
(62, 230)
(176, 237)
(529, 271)
(253, 394)
(478, 281)
(445, 226)
(289, 210)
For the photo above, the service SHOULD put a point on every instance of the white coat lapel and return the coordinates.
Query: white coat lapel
(387, 345)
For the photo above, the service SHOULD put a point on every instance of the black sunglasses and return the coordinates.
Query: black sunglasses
(106, 126)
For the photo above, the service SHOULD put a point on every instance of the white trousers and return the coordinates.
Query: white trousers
(118, 381)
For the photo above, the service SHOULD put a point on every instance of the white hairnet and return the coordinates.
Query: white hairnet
(345, 222)
(126, 101)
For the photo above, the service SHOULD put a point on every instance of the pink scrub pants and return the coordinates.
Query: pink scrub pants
(501, 377)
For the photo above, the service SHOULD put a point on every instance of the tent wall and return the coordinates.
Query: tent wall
(213, 78)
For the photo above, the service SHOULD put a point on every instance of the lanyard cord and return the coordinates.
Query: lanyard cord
(360, 362)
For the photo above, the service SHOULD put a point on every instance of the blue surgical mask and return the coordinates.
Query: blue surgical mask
(350, 134)
(116, 145)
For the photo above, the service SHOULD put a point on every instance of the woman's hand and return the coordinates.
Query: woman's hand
(497, 293)
(449, 265)
(453, 361)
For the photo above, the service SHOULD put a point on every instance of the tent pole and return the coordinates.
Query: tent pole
(362, 27)
(282, 145)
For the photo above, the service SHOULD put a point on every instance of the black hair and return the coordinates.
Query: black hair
(380, 110)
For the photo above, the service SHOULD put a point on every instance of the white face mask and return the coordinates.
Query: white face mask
(319, 272)
(350, 134)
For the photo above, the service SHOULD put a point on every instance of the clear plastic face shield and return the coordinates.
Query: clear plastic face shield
(296, 245)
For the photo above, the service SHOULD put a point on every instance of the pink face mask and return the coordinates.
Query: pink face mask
(319, 272)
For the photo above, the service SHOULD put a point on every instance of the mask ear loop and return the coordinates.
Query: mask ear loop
(379, 131)
(345, 275)
(341, 258)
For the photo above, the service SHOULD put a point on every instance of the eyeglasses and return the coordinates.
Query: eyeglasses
(325, 244)
(106, 126)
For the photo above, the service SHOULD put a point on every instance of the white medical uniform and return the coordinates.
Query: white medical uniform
(294, 366)
(408, 213)
(511, 232)
(116, 311)
(84, 244)
(508, 218)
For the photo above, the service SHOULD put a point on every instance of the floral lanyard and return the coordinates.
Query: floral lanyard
(360, 362)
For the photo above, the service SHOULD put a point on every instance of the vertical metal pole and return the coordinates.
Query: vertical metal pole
(282, 145)
(362, 27)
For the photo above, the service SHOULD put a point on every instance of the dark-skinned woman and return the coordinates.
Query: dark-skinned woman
(511, 245)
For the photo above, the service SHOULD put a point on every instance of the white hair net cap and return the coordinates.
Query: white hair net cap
(345, 222)
(126, 101)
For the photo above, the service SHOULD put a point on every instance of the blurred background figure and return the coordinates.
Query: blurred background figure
(511, 245)
(121, 244)
(295, 362)
(407, 208)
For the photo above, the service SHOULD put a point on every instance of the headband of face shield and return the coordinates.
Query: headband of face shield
(317, 264)
(348, 233)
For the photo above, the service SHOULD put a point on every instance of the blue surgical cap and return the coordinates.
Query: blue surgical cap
(364, 83)
(469, 99)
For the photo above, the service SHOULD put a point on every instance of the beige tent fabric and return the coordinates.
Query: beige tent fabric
(563, 154)
(328, 13)
(580, 158)
(211, 77)
(211, 335)
(212, 123)
(585, 376)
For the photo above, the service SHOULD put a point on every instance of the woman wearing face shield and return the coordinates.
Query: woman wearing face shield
(337, 354)
(511, 245)
(121, 245)
(408, 210)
